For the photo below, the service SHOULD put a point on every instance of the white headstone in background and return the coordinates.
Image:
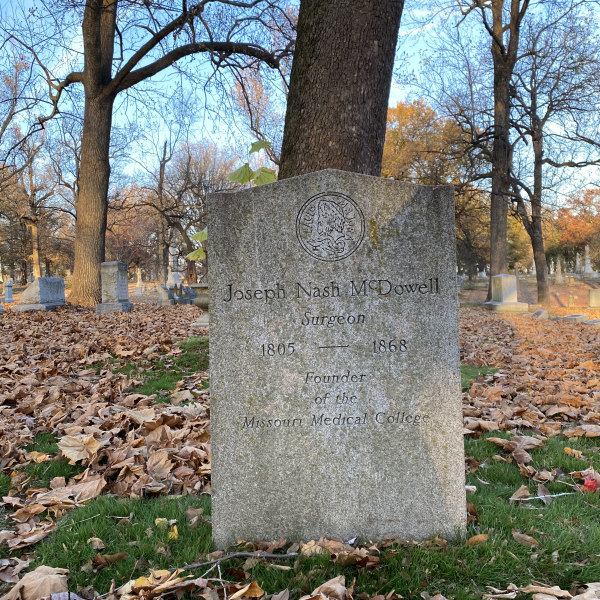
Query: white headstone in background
(587, 269)
(45, 293)
(559, 276)
(8, 292)
(504, 295)
(138, 285)
(115, 288)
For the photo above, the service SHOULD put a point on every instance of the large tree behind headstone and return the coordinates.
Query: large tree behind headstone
(340, 85)
(124, 43)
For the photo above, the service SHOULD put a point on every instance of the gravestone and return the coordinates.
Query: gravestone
(504, 295)
(201, 301)
(138, 286)
(8, 293)
(335, 382)
(165, 296)
(45, 293)
(559, 279)
(576, 318)
(540, 315)
(594, 299)
(115, 288)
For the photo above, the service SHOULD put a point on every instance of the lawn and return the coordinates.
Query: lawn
(169, 532)
(567, 532)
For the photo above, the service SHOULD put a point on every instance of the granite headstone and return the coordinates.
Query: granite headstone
(115, 288)
(165, 296)
(504, 295)
(44, 293)
(335, 381)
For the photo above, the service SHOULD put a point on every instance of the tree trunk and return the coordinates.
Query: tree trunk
(537, 237)
(35, 252)
(163, 261)
(339, 86)
(92, 204)
(24, 272)
(48, 267)
(499, 199)
(504, 56)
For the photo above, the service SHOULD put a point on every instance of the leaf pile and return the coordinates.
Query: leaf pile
(128, 444)
(549, 377)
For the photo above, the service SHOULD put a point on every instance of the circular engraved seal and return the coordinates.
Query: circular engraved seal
(330, 226)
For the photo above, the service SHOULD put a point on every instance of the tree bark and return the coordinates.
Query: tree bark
(35, 249)
(504, 57)
(339, 86)
(24, 272)
(537, 237)
(92, 206)
(163, 260)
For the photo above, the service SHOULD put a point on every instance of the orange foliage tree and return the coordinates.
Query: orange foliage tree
(577, 224)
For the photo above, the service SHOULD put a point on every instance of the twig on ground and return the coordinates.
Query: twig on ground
(83, 521)
(549, 496)
(257, 554)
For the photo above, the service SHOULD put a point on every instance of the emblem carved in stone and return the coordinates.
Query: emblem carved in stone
(330, 226)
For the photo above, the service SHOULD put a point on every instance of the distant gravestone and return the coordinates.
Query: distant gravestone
(138, 286)
(540, 315)
(335, 382)
(504, 295)
(8, 293)
(115, 288)
(576, 318)
(559, 279)
(594, 298)
(201, 301)
(165, 296)
(45, 293)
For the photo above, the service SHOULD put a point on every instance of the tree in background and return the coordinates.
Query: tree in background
(576, 225)
(423, 148)
(116, 56)
(555, 108)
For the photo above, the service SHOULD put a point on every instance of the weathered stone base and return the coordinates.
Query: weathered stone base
(507, 306)
(28, 307)
(202, 321)
(576, 318)
(593, 322)
(540, 315)
(109, 307)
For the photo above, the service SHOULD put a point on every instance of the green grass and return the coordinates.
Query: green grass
(4, 484)
(468, 373)
(43, 442)
(42, 473)
(68, 547)
(168, 370)
(569, 526)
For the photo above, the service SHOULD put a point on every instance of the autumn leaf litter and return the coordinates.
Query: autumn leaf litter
(130, 445)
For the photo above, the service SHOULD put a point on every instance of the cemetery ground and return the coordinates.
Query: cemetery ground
(105, 438)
